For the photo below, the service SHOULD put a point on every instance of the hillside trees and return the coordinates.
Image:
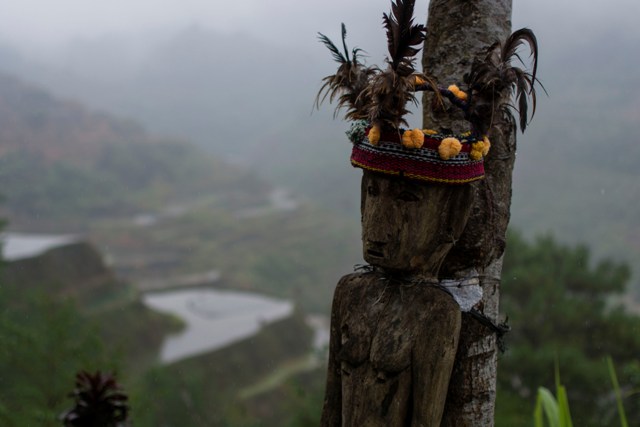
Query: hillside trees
(560, 305)
(43, 343)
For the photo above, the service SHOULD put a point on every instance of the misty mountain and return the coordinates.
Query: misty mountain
(61, 162)
(252, 103)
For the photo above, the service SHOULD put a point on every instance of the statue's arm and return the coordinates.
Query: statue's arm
(433, 357)
(332, 408)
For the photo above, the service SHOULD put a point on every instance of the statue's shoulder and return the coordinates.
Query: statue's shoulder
(356, 287)
(359, 282)
(357, 278)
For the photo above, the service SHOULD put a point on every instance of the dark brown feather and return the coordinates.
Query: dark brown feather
(404, 38)
(493, 79)
(349, 81)
(391, 90)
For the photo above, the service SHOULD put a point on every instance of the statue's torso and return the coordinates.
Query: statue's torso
(384, 328)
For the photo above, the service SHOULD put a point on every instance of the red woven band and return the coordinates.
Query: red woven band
(390, 157)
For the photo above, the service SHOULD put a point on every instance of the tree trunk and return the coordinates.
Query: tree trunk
(457, 31)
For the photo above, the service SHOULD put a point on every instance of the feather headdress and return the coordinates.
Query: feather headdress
(391, 90)
(349, 81)
(492, 78)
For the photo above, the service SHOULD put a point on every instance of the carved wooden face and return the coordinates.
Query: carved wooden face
(409, 225)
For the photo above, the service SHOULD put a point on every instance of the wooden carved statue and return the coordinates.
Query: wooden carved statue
(394, 335)
(395, 324)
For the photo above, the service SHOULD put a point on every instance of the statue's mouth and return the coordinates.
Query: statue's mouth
(374, 253)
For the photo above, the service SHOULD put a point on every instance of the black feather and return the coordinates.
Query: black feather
(335, 52)
(349, 81)
(403, 36)
(391, 89)
(344, 41)
(494, 79)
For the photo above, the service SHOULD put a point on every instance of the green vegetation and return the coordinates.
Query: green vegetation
(618, 392)
(203, 390)
(99, 401)
(298, 254)
(63, 166)
(560, 305)
(43, 343)
(556, 411)
(120, 180)
(296, 403)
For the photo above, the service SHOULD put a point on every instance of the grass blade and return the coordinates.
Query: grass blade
(546, 403)
(564, 413)
(616, 389)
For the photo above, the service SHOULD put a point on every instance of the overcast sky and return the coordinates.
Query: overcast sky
(42, 23)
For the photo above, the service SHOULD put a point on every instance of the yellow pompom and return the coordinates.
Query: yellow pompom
(449, 147)
(460, 94)
(475, 155)
(413, 138)
(477, 148)
(486, 146)
(374, 135)
(430, 131)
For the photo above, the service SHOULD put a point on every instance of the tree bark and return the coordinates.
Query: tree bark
(458, 30)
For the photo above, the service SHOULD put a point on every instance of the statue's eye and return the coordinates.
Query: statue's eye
(407, 196)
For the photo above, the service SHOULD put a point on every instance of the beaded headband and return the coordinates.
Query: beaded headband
(420, 154)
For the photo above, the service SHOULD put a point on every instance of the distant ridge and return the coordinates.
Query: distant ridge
(62, 162)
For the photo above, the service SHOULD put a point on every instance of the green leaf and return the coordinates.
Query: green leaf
(616, 388)
(546, 403)
(563, 407)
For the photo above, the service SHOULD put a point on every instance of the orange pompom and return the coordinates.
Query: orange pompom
(475, 155)
(486, 146)
(460, 94)
(374, 135)
(449, 147)
(413, 138)
(477, 149)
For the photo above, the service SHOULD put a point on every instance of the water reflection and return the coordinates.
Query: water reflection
(213, 318)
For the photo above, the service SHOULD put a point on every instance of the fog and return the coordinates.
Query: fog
(132, 104)
(284, 22)
(200, 71)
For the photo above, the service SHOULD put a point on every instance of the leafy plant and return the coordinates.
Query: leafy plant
(616, 388)
(555, 410)
(99, 402)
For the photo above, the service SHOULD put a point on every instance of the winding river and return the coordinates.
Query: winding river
(213, 318)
